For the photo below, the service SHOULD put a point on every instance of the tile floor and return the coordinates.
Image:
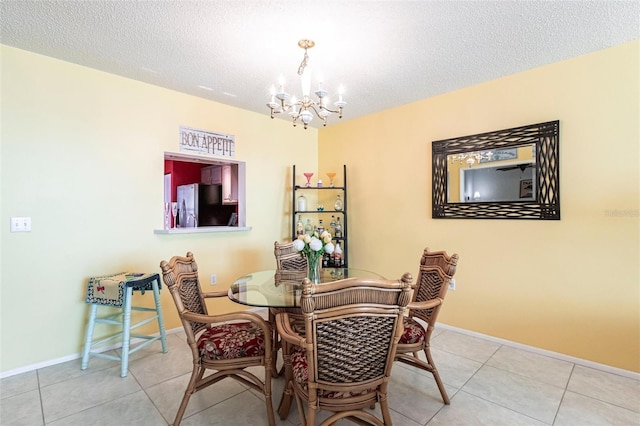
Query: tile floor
(488, 383)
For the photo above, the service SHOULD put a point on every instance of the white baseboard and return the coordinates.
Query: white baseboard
(263, 311)
(550, 354)
(71, 357)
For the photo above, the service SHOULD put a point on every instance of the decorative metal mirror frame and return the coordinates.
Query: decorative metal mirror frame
(545, 206)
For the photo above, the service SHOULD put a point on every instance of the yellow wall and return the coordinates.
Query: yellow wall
(568, 286)
(82, 154)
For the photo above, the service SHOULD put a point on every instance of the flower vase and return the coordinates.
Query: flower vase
(314, 270)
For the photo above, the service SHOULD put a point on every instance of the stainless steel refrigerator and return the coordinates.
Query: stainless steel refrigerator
(201, 205)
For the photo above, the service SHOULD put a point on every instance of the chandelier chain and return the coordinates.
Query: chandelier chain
(304, 63)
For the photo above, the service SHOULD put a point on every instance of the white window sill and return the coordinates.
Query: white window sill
(202, 230)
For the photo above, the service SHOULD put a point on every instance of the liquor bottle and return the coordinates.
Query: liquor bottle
(320, 228)
(337, 256)
(325, 260)
(299, 226)
(308, 229)
(338, 229)
(338, 205)
(332, 224)
(302, 203)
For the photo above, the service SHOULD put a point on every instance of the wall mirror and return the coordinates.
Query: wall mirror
(504, 174)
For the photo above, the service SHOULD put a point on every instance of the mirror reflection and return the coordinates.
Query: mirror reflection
(502, 175)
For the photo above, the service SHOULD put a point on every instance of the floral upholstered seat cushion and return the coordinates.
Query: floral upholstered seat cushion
(413, 332)
(228, 341)
(301, 375)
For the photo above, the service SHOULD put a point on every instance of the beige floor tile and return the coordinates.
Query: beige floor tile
(454, 370)
(466, 409)
(17, 384)
(578, 409)
(158, 367)
(68, 397)
(401, 420)
(168, 395)
(22, 409)
(607, 387)
(464, 345)
(415, 395)
(135, 409)
(526, 396)
(243, 409)
(71, 369)
(535, 366)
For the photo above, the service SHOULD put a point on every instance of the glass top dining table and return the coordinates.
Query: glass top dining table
(282, 289)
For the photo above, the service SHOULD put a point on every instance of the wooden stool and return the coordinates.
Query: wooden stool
(116, 291)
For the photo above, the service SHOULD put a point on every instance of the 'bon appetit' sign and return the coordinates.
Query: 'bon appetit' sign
(204, 142)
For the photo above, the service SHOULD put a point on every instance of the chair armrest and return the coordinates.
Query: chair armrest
(427, 304)
(215, 294)
(283, 324)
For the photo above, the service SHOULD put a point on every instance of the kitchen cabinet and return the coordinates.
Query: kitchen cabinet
(230, 184)
(211, 175)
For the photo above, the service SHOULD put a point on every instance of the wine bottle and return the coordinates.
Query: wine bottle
(299, 226)
(338, 229)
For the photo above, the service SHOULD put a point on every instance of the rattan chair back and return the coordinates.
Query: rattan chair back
(352, 328)
(181, 277)
(441, 259)
(288, 258)
(433, 283)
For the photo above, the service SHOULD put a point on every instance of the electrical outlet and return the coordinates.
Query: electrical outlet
(214, 279)
(20, 224)
(452, 284)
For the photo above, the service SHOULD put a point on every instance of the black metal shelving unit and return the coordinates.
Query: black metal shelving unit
(342, 190)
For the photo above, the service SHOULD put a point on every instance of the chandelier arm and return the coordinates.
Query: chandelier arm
(313, 107)
(328, 109)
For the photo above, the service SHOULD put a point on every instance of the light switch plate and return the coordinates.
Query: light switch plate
(20, 224)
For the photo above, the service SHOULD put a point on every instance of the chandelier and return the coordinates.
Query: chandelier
(301, 110)
(471, 157)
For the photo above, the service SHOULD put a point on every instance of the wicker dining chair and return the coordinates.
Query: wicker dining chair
(343, 361)
(290, 262)
(288, 258)
(226, 343)
(436, 270)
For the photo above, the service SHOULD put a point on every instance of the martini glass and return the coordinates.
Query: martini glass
(331, 176)
(308, 176)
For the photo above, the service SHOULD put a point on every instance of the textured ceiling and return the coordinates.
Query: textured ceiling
(384, 53)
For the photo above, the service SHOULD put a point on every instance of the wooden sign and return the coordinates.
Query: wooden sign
(198, 141)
